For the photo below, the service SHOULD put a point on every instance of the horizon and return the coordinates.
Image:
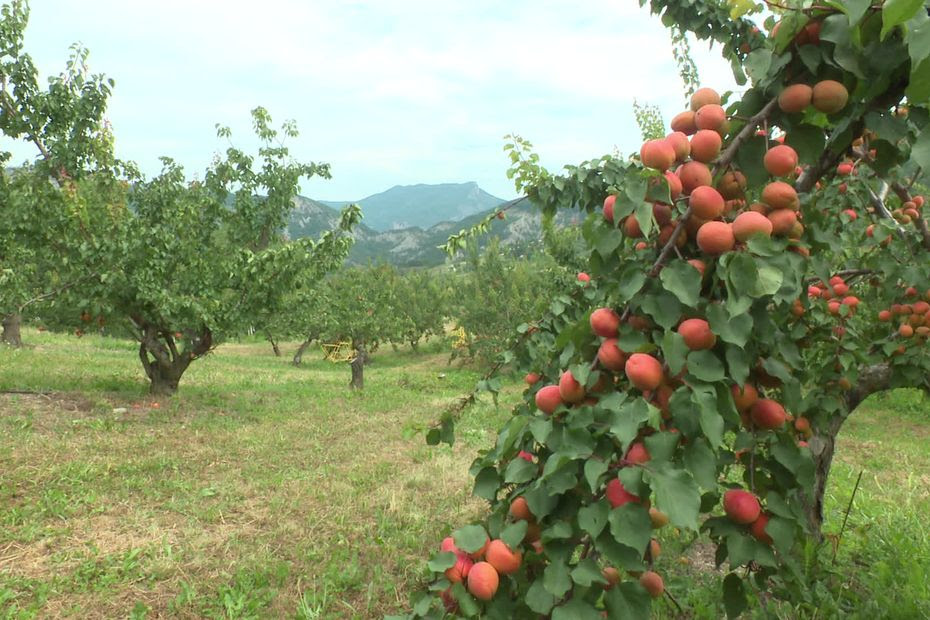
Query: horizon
(387, 94)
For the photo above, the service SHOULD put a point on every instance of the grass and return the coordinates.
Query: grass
(268, 491)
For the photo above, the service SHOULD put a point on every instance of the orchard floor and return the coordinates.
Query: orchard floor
(268, 491)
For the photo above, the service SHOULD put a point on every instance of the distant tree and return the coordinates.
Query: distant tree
(420, 302)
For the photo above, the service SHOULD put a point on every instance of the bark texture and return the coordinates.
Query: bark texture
(163, 362)
(11, 330)
(358, 365)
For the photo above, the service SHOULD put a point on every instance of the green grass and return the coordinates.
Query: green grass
(265, 490)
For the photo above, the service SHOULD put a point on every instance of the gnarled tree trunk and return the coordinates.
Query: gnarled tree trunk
(274, 343)
(358, 365)
(164, 364)
(11, 330)
(299, 355)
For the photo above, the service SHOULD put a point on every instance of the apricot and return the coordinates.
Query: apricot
(780, 195)
(705, 145)
(483, 581)
(504, 560)
(569, 389)
(662, 213)
(612, 575)
(583, 277)
(609, 203)
(611, 356)
(637, 453)
(684, 122)
(803, 426)
(698, 264)
(715, 238)
(697, 334)
(655, 549)
(906, 330)
(605, 322)
(665, 235)
(680, 145)
(829, 96)
(740, 506)
(732, 185)
(706, 203)
(653, 583)
(780, 160)
(757, 529)
(631, 228)
(617, 495)
(674, 184)
(704, 96)
(844, 169)
(768, 414)
(531, 378)
(744, 398)
(710, 116)
(694, 174)
(643, 371)
(658, 518)
(657, 154)
(783, 221)
(884, 316)
(459, 571)
(548, 399)
(795, 98)
(750, 223)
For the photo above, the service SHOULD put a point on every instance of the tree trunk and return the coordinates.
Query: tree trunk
(11, 330)
(358, 365)
(274, 344)
(299, 355)
(415, 345)
(163, 363)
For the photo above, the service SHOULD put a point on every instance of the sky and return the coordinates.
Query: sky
(388, 92)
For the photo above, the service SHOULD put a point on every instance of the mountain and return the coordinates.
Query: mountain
(415, 247)
(405, 206)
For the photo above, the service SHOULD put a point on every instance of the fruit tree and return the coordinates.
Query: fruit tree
(754, 276)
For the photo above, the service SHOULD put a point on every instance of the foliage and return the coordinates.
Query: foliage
(794, 315)
(649, 119)
(421, 303)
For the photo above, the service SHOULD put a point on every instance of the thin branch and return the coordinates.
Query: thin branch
(846, 516)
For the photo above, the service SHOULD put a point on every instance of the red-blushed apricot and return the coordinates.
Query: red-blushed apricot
(803, 426)
(662, 213)
(768, 414)
(744, 398)
(657, 154)
(693, 225)
(504, 560)
(716, 238)
(617, 495)
(780, 160)
(710, 116)
(684, 122)
(749, 223)
(612, 575)
(674, 184)
(698, 264)
(653, 583)
(483, 581)
(705, 145)
(732, 185)
(658, 518)
(829, 96)
(704, 96)
(759, 207)
(631, 228)
(680, 145)
(548, 399)
(611, 356)
(706, 203)
(665, 235)
(852, 301)
(840, 289)
(609, 203)
(780, 195)
(569, 389)
(583, 277)
(477, 555)
(448, 544)
(795, 98)
(833, 307)
(643, 371)
(637, 453)
(910, 291)
(884, 316)
(459, 571)
(697, 334)
(844, 169)
(797, 308)
(757, 529)
(531, 378)
(906, 330)
(694, 174)
(655, 549)
(605, 322)
(741, 506)
(783, 221)
(639, 322)
(526, 456)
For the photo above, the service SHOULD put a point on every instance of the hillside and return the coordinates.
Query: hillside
(422, 205)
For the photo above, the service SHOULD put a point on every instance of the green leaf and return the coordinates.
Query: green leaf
(702, 463)
(628, 600)
(587, 572)
(441, 561)
(576, 609)
(538, 598)
(674, 350)
(630, 281)
(630, 525)
(663, 307)
(487, 482)
(676, 495)
(625, 422)
(712, 422)
(705, 366)
(470, 538)
(557, 579)
(757, 64)
(896, 12)
(518, 470)
(782, 532)
(808, 141)
(593, 518)
(734, 595)
(680, 279)
(593, 469)
(643, 216)
(735, 330)
(738, 363)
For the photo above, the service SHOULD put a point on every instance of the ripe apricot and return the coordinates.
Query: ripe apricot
(829, 96)
(780, 195)
(710, 116)
(570, 389)
(658, 518)
(680, 144)
(609, 203)
(637, 453)
(780, 160)
(483, 581)
(732, 185)
(706, 202)
(684, 122)
(768, 414)
(657, 154)
(744, 398)
(757, 529)
(605, 322)
(631, 228)
(665, 235)
(531, 378)
(548, 398)
(705, 145)
(674, 184)
(617, 495)
(749, 223)
(697, 334)
(611, 356)
(740, 506)
(704, 96)
(795, 98)
(653, 583)
(643, 371)
(504, 560)
(694, 174)
(612, 575)
(783, 221)
(716, 238)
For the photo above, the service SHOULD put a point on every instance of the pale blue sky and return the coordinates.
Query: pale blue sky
(388, 92)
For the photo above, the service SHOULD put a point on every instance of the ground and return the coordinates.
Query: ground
(265, 490)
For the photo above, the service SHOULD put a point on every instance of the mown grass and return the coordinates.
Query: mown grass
(265, 490)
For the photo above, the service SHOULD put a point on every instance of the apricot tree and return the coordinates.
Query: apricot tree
(754, 276)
